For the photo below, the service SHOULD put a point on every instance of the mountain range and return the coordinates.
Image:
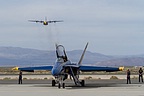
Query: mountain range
(16, 56)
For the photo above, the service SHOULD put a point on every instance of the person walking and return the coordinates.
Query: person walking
(140, 74)
(20, 77)
(128, 77)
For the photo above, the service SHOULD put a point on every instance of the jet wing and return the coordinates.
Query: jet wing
(96, 68)
(31, 69)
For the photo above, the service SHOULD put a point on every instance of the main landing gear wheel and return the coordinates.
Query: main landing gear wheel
(82, 83)
(63, 85)
(59, 85)
(53, 83)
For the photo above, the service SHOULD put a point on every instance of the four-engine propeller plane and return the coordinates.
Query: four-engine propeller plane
(64, 67)
(46, 22)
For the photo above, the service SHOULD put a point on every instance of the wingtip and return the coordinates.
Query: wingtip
(121, 68)
(15, 68)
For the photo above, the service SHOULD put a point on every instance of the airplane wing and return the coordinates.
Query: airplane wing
(31, 69)
(96, 68)
(54, 21)
(35, 21)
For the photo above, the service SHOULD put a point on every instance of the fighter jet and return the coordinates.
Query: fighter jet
(45, 22)
(64, 67)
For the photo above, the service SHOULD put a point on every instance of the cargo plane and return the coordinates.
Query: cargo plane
(45, 22)
(63, 68)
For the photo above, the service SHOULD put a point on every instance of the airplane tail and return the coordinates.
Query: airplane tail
(45, 18)
(83, 54)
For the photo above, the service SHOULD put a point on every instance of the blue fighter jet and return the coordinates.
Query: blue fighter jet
(64, 67)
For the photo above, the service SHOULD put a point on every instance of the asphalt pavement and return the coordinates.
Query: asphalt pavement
(104, 87)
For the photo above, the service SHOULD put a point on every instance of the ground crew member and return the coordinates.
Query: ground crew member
(128, 77)
(20, 77)
(140, 74)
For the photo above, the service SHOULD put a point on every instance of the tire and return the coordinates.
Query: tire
(53, 82)
(82, 83)
(59, 85)
(63, 85)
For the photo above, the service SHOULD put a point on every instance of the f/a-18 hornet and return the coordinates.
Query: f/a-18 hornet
(64, 67)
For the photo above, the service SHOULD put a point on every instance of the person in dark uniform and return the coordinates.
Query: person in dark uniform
(20, 77)
(128, 77)
(140, 74)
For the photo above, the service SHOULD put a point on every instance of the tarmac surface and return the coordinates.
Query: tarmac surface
(104, 87)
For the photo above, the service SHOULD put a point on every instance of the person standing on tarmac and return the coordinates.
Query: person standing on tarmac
(20, 77)
(140, 74)
(128, 77)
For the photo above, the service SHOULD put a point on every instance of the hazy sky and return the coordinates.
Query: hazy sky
(112, 27)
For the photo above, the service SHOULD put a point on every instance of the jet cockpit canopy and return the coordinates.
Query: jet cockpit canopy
(60, 52)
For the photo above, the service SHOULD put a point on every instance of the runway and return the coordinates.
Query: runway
(92, 88)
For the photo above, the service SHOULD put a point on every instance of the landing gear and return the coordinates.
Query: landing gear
(60, 81)
(59, 85)
(63, 85)
(75, 75)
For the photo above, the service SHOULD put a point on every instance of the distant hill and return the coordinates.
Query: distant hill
(129, 61)
(16, 56)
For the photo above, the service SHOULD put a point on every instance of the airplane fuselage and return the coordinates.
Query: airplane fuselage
(58, 67)
(45, 23)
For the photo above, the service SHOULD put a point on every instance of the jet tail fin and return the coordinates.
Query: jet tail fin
(83, 54)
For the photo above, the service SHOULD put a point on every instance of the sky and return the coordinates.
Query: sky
(112, 27)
